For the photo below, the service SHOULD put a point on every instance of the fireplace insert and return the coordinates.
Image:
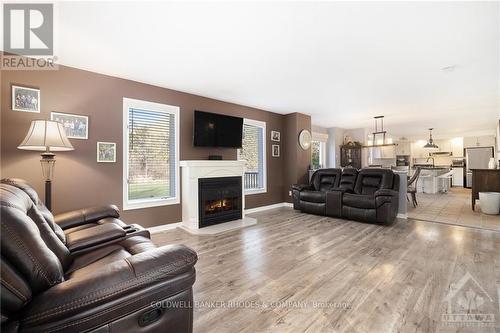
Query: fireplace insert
(219, 200)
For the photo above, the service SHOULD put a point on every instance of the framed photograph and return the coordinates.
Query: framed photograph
(275, 136)
(25, 99)
(275, 151)
(106, 152)
(76, 127)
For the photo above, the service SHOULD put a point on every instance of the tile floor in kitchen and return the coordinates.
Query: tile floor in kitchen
(452, 208)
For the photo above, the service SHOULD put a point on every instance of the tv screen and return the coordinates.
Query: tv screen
(216, 130)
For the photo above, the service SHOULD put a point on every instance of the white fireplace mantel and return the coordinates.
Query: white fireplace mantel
(196, 169)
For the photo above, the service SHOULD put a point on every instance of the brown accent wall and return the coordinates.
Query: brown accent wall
(79, 180)
(296, 159)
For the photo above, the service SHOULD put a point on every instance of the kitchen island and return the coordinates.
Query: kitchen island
(429, 181)
(484, 180)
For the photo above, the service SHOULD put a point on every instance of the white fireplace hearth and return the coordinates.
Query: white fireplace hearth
(192, 171)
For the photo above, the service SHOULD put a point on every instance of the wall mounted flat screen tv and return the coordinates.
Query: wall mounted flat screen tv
(217, 130)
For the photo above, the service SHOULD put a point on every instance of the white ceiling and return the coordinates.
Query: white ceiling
(342, 62)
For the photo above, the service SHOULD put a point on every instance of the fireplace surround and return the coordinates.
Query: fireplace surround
(213, 171)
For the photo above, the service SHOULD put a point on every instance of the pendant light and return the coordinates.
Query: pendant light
(379, 138)
(430, 144)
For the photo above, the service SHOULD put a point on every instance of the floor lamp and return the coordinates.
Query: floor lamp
(47, 136)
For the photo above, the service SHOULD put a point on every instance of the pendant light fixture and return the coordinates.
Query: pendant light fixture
(430, 144)
(379, 138)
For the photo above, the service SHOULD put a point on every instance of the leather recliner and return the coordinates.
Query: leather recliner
(370, 195)
(74, 220)
(312, 198)
(375, 197)
(118, 287)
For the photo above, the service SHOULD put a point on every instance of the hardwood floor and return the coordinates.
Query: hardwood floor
(295, 272)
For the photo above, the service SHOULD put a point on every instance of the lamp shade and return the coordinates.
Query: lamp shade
(46, 134)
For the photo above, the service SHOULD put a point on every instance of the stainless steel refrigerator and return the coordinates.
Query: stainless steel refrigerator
(476, 158)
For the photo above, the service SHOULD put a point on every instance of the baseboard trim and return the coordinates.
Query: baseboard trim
(170, 226)
(264, 208)
(165, 227)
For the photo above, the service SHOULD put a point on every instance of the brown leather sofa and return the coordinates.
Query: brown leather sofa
(368, 195)
(112, 281)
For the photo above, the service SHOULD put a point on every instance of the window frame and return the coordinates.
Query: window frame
(261, 124)
(129, 103)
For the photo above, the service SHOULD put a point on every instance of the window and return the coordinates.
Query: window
(318, 151)
(253, 151)
(151, 154)
(316, 154)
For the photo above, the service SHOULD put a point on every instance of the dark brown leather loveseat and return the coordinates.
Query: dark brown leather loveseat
(114, 280)
(368, 195)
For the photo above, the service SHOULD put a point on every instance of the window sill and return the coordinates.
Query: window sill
(255, 191)
(140, 204)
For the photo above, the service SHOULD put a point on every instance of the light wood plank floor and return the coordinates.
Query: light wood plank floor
(295, 272)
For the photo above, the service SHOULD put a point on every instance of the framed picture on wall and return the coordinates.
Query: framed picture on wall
(76, 126)
(25, 99)
(106, 152)
(275, 150)
(275, 136)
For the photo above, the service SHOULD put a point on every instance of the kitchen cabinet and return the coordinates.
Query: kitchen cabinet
(444, 146)
(429, 181)
(457, 147)
(418, 151)
(458, 177)
(479, 141)
(403, 148)
(387, 152)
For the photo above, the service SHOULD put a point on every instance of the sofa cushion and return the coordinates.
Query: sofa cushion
(313, 196)
(359, 214)
(326, 179)
(46, 214)
(313, 207)
(371, 180)
(32, 248)
(348, 179)
(359, 201)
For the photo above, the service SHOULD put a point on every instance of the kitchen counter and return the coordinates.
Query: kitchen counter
(432, 167)
(435, 168)
(428, 182)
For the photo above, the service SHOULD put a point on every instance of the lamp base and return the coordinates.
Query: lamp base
(48, 194)
(48, 162)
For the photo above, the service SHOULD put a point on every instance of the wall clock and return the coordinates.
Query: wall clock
(305, 139)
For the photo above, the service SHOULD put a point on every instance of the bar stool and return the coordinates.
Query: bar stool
(445, 178)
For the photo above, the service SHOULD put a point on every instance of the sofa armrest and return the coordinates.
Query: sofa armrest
(301, 187)
(386, 192)
(145, 277)
(87, 215)
(89, 237)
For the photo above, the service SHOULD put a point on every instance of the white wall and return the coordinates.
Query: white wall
(336, 139)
